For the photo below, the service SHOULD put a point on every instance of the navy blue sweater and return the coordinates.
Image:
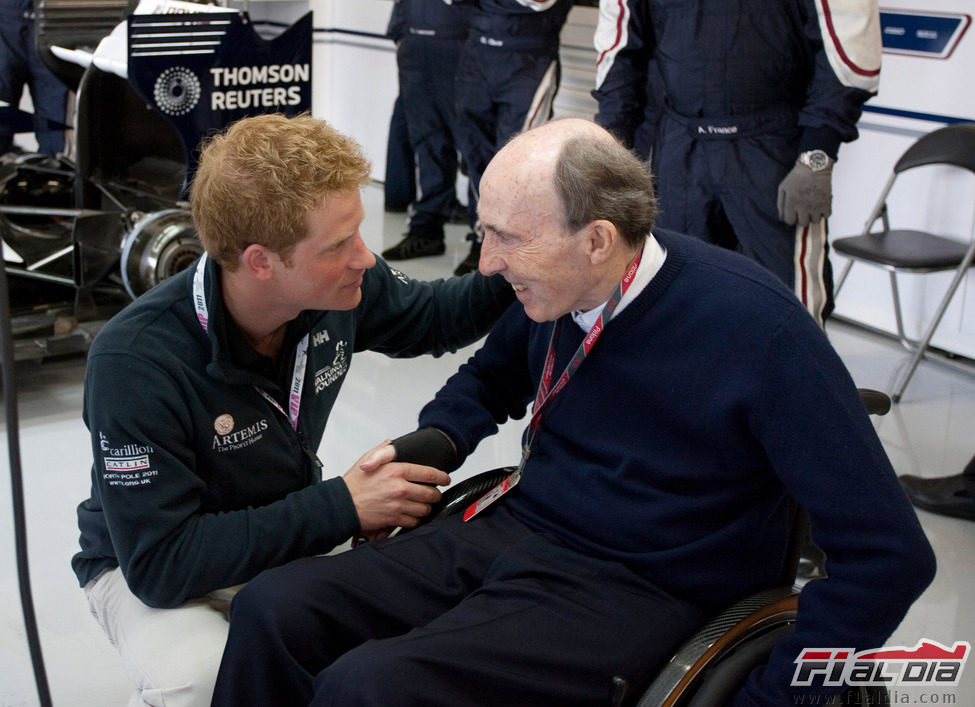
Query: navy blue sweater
(705, 403)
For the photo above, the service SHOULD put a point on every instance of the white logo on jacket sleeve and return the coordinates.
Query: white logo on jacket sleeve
(319, 338)
(327, 375)
(400, 276)
(128, 464)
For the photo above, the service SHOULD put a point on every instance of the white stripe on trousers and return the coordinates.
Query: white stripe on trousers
(809, 261)
(541, 106)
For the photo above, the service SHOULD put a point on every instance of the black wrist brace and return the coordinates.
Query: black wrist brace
(428, 446)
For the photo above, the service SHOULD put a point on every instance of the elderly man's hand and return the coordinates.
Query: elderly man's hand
(388, 494)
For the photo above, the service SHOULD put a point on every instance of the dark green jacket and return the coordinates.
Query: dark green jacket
(199, 482)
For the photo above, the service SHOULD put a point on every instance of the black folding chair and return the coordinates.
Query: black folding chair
(914, 251)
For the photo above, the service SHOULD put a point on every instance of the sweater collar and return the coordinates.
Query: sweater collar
(653, 258)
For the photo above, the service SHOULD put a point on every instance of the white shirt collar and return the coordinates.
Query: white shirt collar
(653, 258)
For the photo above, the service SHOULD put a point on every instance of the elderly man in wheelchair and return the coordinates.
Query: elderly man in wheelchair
(680, 399)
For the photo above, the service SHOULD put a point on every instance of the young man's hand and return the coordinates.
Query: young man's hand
(389, 494)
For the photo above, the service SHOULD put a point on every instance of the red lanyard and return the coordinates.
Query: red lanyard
(545, 391)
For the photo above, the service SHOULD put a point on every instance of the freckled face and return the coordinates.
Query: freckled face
(526, 241)
(326, 268)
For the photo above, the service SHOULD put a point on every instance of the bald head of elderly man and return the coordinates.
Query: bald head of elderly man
(678, 396)
(549, 209)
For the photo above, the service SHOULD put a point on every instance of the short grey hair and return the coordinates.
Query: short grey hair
(601, 179)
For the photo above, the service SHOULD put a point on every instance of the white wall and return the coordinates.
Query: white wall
(356, 69)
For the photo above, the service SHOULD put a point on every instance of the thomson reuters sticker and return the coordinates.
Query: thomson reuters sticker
(224, 424)
(177, 91)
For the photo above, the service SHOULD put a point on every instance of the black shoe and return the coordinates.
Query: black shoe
(415, 247)
(947, 495)
(469, 263)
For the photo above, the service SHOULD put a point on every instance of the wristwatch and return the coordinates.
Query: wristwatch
(816, 160)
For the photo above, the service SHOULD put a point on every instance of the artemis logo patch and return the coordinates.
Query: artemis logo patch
(929, 663)
(224, 424)
(230, 439)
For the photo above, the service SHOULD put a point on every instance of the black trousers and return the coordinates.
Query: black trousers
(482, 613)
(21, 66)
(500, 93)
(426, 79)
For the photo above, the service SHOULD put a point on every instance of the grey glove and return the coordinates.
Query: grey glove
(805, 195)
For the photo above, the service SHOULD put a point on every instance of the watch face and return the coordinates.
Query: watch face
(816, 160)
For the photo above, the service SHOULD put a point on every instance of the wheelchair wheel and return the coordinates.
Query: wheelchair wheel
(708, 669)
(713, 664)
